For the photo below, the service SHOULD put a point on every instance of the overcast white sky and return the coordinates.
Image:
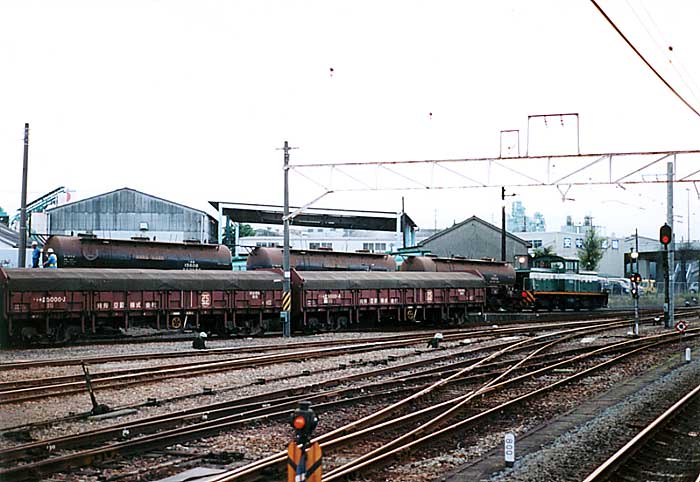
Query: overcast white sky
(188, 100)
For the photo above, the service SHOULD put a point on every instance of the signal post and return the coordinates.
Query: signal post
(636, 280)
(303, 460)
(665, 236)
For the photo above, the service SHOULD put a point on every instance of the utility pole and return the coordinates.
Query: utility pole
(670, 322)
(503, 222)
(287, 286)
(22, 255)
(636, 249)
(688, 220)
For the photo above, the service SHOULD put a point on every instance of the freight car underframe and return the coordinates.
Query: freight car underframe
(61, 326)
(563, 300)
(337, 318)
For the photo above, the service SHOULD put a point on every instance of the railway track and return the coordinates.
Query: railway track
(489, 318)
(476, 330)
(33, 389)
(253, 410)
(665, 450)
(431, 431)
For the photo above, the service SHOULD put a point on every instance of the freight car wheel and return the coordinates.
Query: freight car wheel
(343, 322)
(312, 325)
(175, 323)
(71, 333)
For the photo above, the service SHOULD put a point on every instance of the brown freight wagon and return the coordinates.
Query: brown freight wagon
(60, 304)
(334, 300)
(499, 277)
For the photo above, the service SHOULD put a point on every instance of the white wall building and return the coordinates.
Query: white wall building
(569, 239)
(335, 239)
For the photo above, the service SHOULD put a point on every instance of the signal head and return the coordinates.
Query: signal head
(303, 420)
(665, 234)
(299, 422)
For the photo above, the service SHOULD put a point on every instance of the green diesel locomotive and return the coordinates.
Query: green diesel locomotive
(555, 283)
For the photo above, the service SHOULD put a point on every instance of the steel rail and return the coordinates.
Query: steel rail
(126, 377)
(258, 400)
(160, 439)
(610, 466)
(379, 455)
(359, 425)
(257, 406)
(325, 442)
(24, 390)
(19, 364)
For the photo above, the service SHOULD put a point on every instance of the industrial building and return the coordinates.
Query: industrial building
(127, 213)
(9, 242)
(474, 238)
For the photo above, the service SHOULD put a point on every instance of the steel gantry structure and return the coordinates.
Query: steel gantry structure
(562, 171)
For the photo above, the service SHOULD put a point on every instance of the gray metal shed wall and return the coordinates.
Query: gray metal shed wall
(474, 240)
(125, 211)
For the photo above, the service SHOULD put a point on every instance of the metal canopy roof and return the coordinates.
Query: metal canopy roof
(317, 217)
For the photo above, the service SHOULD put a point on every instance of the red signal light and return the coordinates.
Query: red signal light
(299, 422)
(665, 234)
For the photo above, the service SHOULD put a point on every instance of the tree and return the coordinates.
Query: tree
(543, 251)
(245, 230)
(591, 253)
(229, 235)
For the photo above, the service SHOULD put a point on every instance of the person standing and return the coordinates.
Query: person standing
(199, 342)
(36, 255)
(52, 260)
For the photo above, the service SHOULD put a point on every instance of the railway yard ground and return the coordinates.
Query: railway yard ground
(390, 407)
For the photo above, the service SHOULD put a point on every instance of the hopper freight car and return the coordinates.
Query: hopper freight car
(93, 252)
(59, 304)
(329, 300)
(320, 260)
(499, 277)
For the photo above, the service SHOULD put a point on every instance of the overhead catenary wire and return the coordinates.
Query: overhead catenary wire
(681, 75)
(639, 54)
(690, 77)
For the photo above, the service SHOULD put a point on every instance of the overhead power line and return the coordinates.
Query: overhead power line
(667, 51)
(644, 59)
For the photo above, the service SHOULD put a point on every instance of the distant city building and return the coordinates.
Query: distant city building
(518, 221)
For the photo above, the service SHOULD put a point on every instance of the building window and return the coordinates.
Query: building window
(536, 243)
(604, 244)
(266, 244)
(579, 242)
(615, 244)
(567, 242)
(320, 245)
(374, 247)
